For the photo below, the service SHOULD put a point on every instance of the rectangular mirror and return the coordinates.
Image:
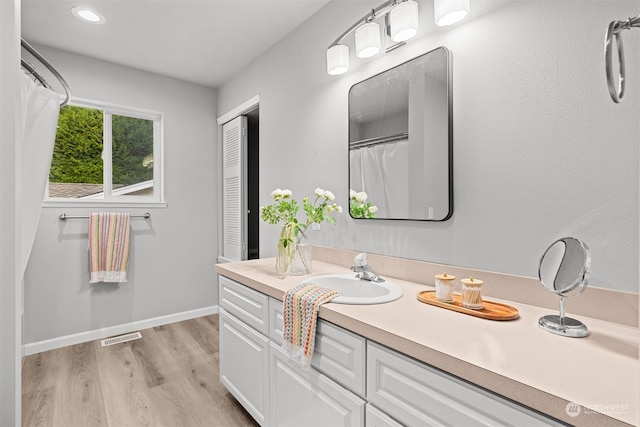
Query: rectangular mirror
(401, 141)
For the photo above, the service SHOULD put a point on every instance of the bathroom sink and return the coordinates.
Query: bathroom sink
(357, 291)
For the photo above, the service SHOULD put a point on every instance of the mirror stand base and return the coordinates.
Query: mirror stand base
(564, 326)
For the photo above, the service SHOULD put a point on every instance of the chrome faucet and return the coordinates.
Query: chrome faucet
(364, 271)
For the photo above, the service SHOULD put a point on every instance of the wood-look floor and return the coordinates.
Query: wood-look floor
(169, 377)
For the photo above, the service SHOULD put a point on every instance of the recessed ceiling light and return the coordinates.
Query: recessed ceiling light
(88, 15)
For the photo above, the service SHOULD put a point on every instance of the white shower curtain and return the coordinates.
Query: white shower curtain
(382, 171)
(38, 114)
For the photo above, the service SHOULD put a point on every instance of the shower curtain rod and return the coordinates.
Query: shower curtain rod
(31, 70)
(379, 140)
(64, 216)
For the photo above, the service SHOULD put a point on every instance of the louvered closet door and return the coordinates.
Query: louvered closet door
(234, 192)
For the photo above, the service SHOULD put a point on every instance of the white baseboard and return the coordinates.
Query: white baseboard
(51, 344)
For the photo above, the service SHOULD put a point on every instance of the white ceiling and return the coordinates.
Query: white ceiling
(201, 41)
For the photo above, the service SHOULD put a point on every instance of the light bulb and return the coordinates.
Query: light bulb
(88, 15)
(368, 40)
(403, 20)
(337, 59)
(447, 12)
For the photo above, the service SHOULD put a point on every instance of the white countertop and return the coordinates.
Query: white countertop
(514, 358)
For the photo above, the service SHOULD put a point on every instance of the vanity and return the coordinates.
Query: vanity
(409, 363)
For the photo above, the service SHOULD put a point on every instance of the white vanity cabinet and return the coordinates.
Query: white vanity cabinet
(244, 347)
(352, 381)
(270, 385)
(416, 394)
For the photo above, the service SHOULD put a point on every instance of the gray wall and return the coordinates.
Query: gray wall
(172, 255)
(540, 151)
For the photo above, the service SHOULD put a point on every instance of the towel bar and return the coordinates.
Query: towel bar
(616, 91)
(64, 216)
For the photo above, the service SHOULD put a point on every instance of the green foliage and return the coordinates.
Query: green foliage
(359, 206)
(77, 156)
(132, 143)
(285, 210)
(318, 213)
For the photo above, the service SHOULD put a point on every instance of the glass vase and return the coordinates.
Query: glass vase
(301, 260)
(293, 256)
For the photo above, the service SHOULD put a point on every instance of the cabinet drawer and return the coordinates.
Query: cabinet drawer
(305, 397)
(247, 305)
(338, 353)
(419, 395)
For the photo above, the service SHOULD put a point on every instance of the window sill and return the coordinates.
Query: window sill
(100, 204)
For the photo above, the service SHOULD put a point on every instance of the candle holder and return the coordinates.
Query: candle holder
(445, 287)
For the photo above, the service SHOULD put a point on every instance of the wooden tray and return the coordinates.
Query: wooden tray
(491, 310)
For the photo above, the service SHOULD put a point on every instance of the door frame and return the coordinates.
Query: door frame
(239, 110)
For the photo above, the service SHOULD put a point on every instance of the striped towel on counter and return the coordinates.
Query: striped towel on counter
(108, 246)
(300, 312)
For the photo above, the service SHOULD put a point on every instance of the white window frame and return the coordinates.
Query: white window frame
(110, 197)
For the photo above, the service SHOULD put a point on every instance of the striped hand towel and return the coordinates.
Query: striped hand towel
(301, 305)
(108, 246)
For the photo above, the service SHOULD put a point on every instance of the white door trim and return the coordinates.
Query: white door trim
(245, 107)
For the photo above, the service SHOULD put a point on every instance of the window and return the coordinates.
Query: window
(105, 153)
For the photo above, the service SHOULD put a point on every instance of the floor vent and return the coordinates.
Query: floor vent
(121, 339)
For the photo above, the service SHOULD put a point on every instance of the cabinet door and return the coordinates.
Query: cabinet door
(419, 395)
(338, 353)
(377, 418)
(306, 398)
(244, 365)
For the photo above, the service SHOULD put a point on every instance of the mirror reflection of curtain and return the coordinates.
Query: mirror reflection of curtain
(411, 100)
(382, 171)
(38, 113)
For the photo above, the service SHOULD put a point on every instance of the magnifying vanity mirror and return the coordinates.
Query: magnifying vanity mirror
(400, 140)
(564, 269)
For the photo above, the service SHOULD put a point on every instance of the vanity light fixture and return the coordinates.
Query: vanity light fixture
(447, 12)
(88, 15)
(401, 22)
(368, 40)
